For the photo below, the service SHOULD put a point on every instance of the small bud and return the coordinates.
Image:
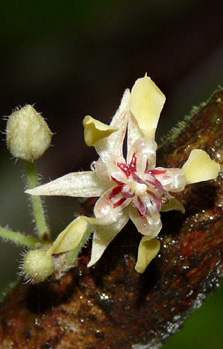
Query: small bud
(28, 135)
(37, 265)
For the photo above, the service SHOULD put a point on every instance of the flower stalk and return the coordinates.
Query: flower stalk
(18, 238)
(38, 211)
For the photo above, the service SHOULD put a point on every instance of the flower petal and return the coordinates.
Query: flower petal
(106, 209)
(108, 169)
(148, 224)
(134, 133)
(146, 103)
(70, 237)
(172, 179)
(95, 130)
(147, 251)
(145, 153)
(104, 234)
(199, 167)
(77, 184)
(114, 143)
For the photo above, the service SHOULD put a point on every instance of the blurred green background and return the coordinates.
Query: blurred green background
(72, 58)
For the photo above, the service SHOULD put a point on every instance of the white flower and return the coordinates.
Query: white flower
(128, 188)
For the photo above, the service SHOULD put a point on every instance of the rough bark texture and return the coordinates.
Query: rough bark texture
(110, 306)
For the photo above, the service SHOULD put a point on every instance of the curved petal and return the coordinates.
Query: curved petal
(114, 143)
(147, 251)
(95, 130)
(172, 179)
(146, 103)
(106, 170)
(145, 152)
(199, 167)
(101, 170)
(77, 184)
(148, 224)
(134, 133)
(70, 237)
(103, 235)
(106, 207)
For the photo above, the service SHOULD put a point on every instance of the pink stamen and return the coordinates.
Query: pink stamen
(155, 182)
(119, 202)
(151, 194)
(138, 179)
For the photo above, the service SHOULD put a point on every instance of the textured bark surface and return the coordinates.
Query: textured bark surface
(110, 306)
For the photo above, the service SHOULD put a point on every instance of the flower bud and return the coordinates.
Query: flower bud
(28, 135)
(37, 265)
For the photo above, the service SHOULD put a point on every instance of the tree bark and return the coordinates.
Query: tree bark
(111, 306)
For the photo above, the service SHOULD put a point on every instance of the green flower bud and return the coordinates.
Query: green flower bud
(37, 265)
(27, 133)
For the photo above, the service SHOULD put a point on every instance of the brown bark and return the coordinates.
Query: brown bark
(111, 306)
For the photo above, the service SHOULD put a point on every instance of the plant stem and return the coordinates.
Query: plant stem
(18, 238)
(36, 201)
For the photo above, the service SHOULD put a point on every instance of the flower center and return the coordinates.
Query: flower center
(138, 188)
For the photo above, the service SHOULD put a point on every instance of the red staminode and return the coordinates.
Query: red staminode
(128, 169)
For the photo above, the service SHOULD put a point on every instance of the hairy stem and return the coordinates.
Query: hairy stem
(18, 238)
(38, 211)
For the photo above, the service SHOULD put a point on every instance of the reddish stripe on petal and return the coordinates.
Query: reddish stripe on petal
(116, 191)
(119, 202)
(147, 166)
(157, 172)
(117, 181)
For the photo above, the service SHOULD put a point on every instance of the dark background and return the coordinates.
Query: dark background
(73, 58)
